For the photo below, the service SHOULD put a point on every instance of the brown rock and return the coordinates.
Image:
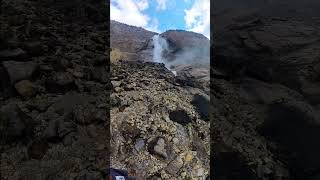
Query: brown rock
(25, 88)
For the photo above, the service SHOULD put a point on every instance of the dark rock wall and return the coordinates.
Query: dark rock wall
(264, 90)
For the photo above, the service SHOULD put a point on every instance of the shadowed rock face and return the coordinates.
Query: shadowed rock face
(265, 106)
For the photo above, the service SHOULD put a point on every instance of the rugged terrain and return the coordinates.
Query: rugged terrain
(54, 90)
(265, 92)
(159, 122)
(159, 127)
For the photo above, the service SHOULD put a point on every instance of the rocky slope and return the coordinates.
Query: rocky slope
(134, 42)
(159, 121)
(159, 127)
(265, 96)
(54, 82)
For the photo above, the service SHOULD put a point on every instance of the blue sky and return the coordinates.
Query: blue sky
(162, 15)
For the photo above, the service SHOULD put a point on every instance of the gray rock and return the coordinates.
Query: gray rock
(174, 166)
(139, 145)
(15, 54)
(19, 70)
(159, 149)
(115, 83)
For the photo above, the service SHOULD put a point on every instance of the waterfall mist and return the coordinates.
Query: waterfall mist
(195, 56)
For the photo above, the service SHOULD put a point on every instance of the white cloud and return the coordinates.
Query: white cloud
(197, 18)
(129, 12)
(153, 26)
(162, 4)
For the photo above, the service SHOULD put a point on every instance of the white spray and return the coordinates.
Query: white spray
(196, 56)
(160, 47)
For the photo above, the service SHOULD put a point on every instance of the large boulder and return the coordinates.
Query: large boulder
(19, 70)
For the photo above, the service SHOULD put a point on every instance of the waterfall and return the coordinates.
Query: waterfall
(160, 47)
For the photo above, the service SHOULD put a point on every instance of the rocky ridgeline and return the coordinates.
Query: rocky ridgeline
(159, 127)
(54, 74)
(137, 44)
(265, 97)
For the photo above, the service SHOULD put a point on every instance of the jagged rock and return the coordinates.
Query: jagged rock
(34, 48)
(114, 100)
(13, 55)
(84, 114)
(100, 74)
(15, 124)
(51, 132)
(139, 144)
(116, 83)
(63, 79)
(174, 166)
(159, 148)
(25, 88)
(19, 70)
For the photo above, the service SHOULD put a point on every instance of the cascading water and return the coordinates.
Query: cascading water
(160, 47)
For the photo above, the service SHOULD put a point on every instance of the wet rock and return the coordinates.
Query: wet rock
(19, 70)
(180, 116)
(25, 88)
(13, 55)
